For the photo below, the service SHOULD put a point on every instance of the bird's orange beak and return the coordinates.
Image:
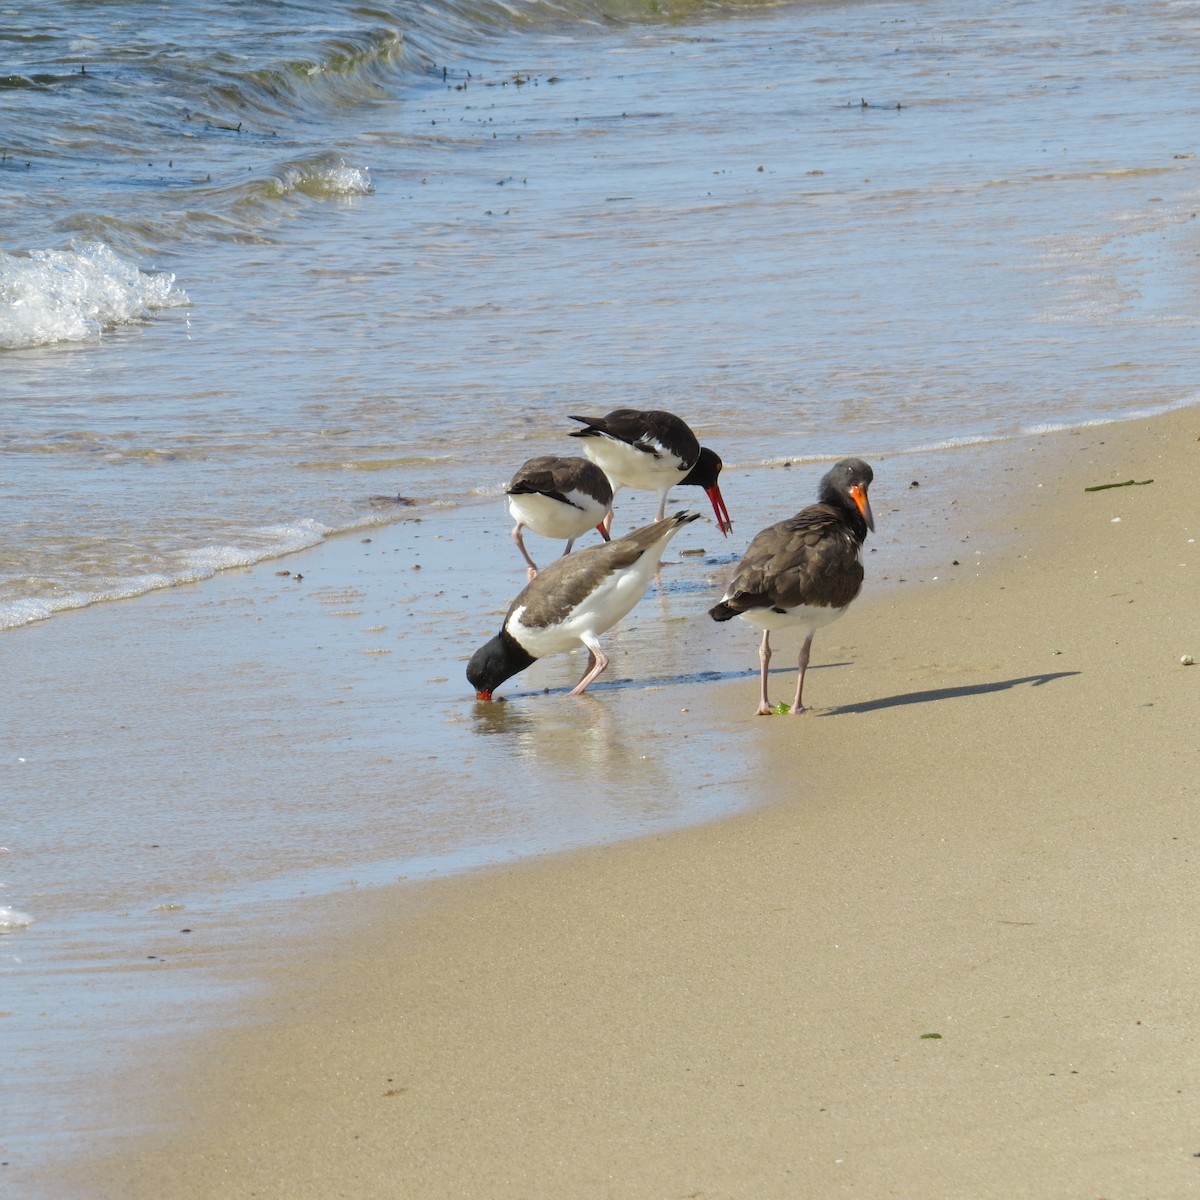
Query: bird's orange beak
(724, 521)
(858, 494)
(483, 695)
(603, 532)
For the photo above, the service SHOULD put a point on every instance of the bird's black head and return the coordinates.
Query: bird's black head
(845, 487)
(704, 474)
(704, 470)
(494, 662)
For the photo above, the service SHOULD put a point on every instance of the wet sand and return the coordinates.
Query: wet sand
(950, 953)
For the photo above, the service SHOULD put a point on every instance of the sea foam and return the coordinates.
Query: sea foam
(73, 295)
(322, 177)
(10, 919)
(185, 566)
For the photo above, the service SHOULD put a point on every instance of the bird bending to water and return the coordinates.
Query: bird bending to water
(804, 571)
(571, 602)
(652, 451)
(558, 498)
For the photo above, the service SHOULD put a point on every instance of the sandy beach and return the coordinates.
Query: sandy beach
(948, 954)
(287, 294)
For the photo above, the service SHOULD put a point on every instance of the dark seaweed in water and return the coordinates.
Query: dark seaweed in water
(137, 84)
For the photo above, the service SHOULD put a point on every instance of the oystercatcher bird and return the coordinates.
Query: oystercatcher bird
(806, 570)
(558, 498)
(574, 600)
(652, 451)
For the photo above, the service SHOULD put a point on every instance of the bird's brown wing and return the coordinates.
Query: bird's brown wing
(569, 580)
(538, 477)
(811, 558)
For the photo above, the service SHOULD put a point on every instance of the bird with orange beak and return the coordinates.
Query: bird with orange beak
(804, 572)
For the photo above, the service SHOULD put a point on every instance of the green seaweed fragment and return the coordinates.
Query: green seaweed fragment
(933, 1036)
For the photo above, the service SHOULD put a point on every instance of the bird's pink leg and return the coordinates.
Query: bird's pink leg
(606, 525)
(663, 562)
(764, 658)
(516, 537)
(797, 705)
(597, 661)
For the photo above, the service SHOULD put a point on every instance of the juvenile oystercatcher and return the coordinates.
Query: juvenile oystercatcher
(652, 451)
(558, 498)
(806, 570)
(574, 600)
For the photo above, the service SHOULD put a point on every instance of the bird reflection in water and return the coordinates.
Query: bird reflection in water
(588, 750)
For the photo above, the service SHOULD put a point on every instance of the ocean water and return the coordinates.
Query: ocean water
(261, 263)
(278, 272)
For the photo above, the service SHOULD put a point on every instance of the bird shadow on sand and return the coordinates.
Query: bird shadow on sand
(866, 706)
(949, 693)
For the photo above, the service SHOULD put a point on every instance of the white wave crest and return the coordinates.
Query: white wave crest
(339, 180)
(272, 541)
(322, 178)
(10, 919)
(72, 295)
(192, 566)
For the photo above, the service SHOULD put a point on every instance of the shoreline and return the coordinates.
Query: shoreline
(300, 534)
(742, 1007)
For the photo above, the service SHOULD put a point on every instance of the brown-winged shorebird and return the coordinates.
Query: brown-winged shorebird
(805, 571)
(572, 602)
(558, 498)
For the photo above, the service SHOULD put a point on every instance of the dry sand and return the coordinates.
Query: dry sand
(951, 955)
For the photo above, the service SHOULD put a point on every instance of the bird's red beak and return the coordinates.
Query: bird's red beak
(603, 532)
(724, 522)
(483, 695)
(858, 494)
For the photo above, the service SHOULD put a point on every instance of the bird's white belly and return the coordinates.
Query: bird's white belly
(631, 468)
(807, 617)
(553, 518)
(611, 600)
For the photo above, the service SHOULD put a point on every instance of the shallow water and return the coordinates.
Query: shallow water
(307, 737)
(968, 222)
(733, 220)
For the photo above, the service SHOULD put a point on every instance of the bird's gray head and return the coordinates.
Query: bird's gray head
(845, 486)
